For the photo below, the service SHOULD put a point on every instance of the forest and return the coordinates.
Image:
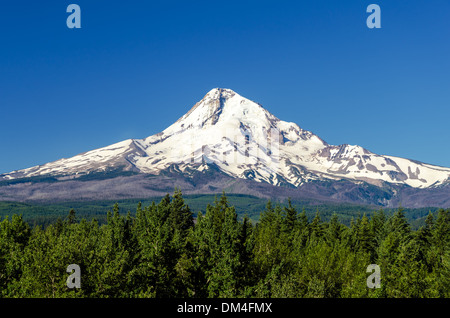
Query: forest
(165, 251)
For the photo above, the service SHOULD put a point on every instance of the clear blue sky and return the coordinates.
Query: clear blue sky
(135, 67)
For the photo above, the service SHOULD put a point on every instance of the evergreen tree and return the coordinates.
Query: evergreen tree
(365, 237)
(289, 219)
(316, 228)
(15, 235)
(268, 249)
(180, 214)
(334, 231)
(301, 234)
(441, 233)
(161, 252)
(72, 218)
(423, 238)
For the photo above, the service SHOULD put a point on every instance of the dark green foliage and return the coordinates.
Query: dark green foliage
(251, 206)
(162, 251)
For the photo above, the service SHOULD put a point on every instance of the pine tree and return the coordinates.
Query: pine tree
(268, 244)
(441, 232)
(15, 235)
(365, 237)
(71, 218)
(423, 238)
(334, 231)
(181, 216)
(115, 253)
(301, 235)
(316, 227)
(303, 220)
(220, 250)
(377, 225)
(289, 219)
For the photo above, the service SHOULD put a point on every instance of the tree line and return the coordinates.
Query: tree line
(163, 251)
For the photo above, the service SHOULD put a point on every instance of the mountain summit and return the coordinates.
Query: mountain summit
(241, 139)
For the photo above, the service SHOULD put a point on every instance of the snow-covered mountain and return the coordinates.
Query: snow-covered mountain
(243, 140)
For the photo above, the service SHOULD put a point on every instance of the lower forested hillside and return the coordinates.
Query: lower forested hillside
(164, 250)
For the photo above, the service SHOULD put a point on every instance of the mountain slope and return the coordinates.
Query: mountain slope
(227, 142)
(244, 141)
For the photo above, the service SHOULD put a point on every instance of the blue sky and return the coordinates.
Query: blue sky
(135, 67)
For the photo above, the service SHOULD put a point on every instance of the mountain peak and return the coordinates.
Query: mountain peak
(217, 93)
(225, 106)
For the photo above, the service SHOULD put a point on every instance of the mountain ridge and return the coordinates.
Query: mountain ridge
(245, 141)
